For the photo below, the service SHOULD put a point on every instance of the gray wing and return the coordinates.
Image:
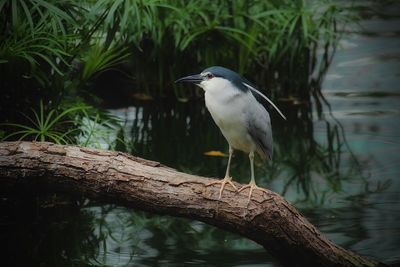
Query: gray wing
(259, 128)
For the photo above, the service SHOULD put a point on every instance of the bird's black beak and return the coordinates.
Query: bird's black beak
(196, 79)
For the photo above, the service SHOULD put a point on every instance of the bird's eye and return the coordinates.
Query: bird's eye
(210, 76)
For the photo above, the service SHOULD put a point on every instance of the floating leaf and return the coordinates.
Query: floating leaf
(215, 153)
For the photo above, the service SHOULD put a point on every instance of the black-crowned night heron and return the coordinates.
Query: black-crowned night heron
(240, 111)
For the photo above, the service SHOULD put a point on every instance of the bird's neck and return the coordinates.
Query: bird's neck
(220, 90)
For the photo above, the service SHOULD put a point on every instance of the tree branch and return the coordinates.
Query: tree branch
(131, 181)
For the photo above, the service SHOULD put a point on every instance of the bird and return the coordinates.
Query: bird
(241, 113)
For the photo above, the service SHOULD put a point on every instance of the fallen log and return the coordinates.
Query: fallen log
(134, 182)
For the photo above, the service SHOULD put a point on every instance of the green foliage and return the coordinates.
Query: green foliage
(271, 36)
(43, 45)
(34, 50)
(277, 40)
(46, 125)
(76, 123)
(42, 38)
(37, 13)
(97, 59)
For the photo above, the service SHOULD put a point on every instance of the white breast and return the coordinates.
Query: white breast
(227, 108)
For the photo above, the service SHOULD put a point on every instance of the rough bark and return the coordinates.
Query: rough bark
(131, 181)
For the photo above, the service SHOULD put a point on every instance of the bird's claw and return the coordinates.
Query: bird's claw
(223, 182)
(252, 186)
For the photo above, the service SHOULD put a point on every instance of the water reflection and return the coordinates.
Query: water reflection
(45, 231)
(65, 231)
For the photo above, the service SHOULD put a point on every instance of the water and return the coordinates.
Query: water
(362, 87)
(356, 203)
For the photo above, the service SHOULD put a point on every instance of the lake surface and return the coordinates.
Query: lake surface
(342, 171)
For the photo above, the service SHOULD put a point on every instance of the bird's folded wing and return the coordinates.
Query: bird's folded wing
(259, 128)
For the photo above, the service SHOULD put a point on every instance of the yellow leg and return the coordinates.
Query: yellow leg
(227, 179)
(252, 185)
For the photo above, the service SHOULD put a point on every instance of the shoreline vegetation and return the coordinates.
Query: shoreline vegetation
(55, 55)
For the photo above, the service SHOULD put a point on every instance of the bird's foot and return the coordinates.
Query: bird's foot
(252, 186)
(223, 182)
